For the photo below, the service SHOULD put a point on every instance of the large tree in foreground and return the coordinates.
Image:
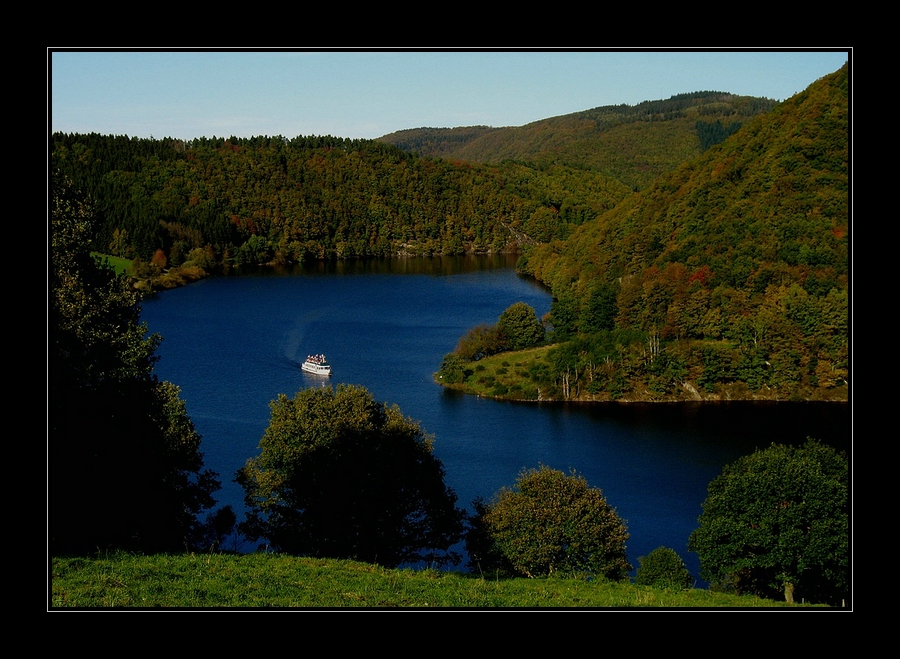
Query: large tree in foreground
(343, 476)
(549, 523)
(778, 522)
(125, 468)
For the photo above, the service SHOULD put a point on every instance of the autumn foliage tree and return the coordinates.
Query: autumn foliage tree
(481, 341)
(159, 260)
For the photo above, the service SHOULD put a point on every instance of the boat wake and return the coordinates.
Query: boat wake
(296, 335)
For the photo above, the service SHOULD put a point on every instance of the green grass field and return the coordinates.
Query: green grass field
(120, 265)
(504, 375)
(213, 581)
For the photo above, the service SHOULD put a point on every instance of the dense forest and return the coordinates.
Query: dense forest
(696, 246)
(273, 199)
(734, 268)
(278, 200)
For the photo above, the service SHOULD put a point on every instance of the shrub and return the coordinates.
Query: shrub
(451, 370)
(663, 568)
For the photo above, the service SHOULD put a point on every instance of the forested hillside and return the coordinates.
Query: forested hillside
(632, 144)
(695, 247)
(278, 200)
(734, 268)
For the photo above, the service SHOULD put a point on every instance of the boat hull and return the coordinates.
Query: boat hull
(315, 369)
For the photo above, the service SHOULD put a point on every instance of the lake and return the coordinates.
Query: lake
(233, 343)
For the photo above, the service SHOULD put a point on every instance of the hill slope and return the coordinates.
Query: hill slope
(729, 267)
(633, 144)
(775, 196)
(727, 278)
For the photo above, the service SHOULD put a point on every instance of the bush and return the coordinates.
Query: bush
(663, 568)
(500, 389)
(549, 523)
(452, 370)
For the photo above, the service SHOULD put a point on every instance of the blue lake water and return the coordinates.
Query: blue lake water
(234, 343)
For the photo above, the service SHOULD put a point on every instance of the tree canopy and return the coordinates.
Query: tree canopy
(344, 476)
(776, 523)
(521, 326)
(549, 523)
(261, 200)
(663, 568)
(125, 468)
(732, 269)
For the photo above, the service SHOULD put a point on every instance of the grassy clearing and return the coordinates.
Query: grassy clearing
(505, 375)
(120, 265)
(212, 581)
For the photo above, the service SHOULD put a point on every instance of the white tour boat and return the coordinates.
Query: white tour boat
(317, 365)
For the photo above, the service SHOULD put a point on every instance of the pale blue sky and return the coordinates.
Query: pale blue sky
(369, 93)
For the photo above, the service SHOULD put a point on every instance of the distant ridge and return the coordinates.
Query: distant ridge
(633, 144)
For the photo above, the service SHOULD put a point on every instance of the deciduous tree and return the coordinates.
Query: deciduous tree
(125, 468)
(481, 341)
(343, 476)
(452, 370)
(521, 326)
(550, 523)
(776, 522)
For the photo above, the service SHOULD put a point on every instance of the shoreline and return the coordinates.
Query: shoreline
(731, 395)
